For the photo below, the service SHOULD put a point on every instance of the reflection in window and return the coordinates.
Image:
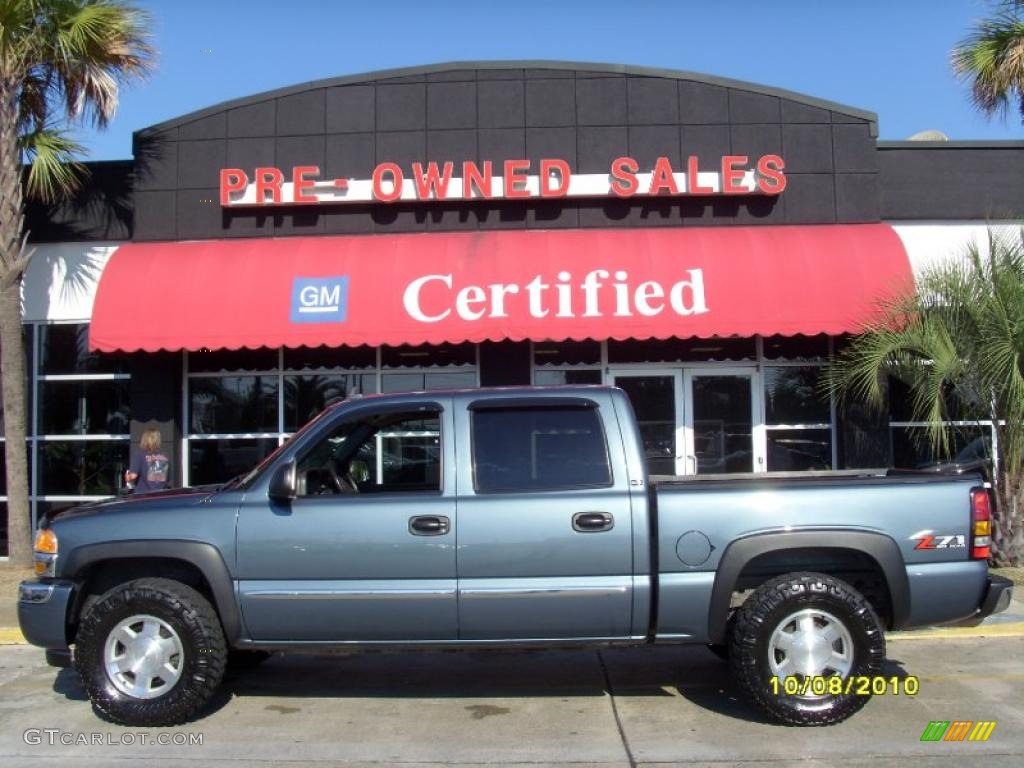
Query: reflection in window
(64, 349)
(912, 448)
(224, 404)
(538, 448)
(556, 378)
(799, 450)
(798, 419)
(81, 467)
(414, 382)
(84, 407)
(375, 453)
(792, 396)
(306, 396)
(217, 360)
(217, 461)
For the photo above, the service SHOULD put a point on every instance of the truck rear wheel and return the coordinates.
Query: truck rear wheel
(797, 640)
(150, 652)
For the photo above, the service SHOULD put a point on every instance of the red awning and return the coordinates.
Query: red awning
(455, 286)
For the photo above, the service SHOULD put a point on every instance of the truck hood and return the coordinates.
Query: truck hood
(136, 502)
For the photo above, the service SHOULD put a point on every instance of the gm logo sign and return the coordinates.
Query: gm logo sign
(319, 299)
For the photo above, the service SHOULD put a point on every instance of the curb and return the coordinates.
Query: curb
(12, 636)
(1007, 629)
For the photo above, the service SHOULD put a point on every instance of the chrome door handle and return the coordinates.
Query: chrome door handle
(592, 522)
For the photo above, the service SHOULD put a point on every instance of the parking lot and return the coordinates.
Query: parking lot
(644, 706)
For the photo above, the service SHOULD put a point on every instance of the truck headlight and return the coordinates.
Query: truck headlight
(45, 552)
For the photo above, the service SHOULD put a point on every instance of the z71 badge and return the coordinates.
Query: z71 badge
(941, 542)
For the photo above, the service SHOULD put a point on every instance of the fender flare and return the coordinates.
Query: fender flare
(879, 547)
(206, 557)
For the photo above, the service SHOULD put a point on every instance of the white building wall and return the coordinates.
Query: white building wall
(61, 279)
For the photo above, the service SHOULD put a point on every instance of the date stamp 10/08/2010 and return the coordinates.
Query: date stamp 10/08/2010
(857, 685)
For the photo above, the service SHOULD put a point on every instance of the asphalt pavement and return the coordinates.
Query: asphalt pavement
(658, 706)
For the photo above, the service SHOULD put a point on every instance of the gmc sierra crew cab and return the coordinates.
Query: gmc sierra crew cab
(503, 517)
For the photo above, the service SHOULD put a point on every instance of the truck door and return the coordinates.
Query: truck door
(367, 549)
(545, 531)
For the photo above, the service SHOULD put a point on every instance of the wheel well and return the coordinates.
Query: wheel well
(859, 570)
(106, 574)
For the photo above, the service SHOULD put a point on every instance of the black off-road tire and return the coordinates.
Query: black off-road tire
(762, 613)
(192, 618)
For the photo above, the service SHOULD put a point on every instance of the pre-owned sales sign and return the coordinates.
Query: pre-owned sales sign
(511, 179)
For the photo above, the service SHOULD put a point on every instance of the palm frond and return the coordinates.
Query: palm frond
(991, 59)
(53, 166)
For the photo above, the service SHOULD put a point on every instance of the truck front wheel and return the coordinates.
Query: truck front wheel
(799, 643)
(150, 652)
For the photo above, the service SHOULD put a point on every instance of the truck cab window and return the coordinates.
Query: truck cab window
(539, 448)
(376, 453)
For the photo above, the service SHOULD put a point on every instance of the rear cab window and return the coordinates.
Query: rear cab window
(538, 446)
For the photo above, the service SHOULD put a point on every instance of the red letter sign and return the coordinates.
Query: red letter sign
(396, 178)
(662, 177)
(562, 167)
(432, 180)
(693, 178)
(471, 177)
(624, 181)
(268, 179)
(300, 183)
(515, 178)
(732, 176)
(231, 180)
(771, 180)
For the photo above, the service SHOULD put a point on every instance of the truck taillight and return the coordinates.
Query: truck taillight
(981, 524)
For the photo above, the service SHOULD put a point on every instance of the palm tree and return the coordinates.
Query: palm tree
(60, 61)
(958, 340)
(991, 58)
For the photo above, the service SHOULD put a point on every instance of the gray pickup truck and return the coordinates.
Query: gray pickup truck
(503, 517)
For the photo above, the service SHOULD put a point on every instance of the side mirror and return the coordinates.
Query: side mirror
(282, 483)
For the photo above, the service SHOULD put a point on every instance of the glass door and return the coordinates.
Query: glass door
(721, 416)
(656, 396)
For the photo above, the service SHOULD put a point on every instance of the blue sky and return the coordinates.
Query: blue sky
(891, 56)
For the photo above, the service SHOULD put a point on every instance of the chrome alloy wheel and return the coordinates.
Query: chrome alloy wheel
(143, 657)
(810, 643)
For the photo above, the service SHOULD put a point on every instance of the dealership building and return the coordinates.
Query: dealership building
(704, 243)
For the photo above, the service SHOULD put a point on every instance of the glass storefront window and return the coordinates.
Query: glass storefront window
(799, 450)
(792, 396)
(80, 407)
(250, 414)
(428, 356)
(4, 551)
(230, 404)
(306, 396)
(796, 347)
(64, 349)
(215, 361)
(680, 350)
(219, 460)
(912, 449)
(407, 382)
(567, 353)
(81, 467)
(555, 378)
(330, 357)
